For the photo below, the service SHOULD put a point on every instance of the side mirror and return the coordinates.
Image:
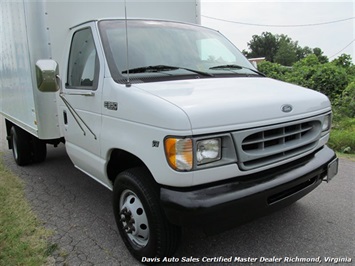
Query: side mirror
(47, 74)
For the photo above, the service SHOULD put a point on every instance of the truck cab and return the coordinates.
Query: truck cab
(181, 115)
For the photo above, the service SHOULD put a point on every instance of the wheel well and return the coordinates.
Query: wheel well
(120, 161)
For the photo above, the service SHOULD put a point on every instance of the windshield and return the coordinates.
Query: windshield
(161, 50)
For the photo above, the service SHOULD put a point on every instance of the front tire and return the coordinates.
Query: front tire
(140, 219)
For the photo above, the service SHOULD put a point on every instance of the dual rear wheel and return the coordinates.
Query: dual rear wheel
(26, 148)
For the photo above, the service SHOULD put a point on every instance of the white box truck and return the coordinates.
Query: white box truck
(167, 114)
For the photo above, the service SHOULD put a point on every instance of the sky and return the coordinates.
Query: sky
(334, 39)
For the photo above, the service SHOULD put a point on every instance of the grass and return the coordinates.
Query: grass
(342, 135)
(350, 157)
(23, 240)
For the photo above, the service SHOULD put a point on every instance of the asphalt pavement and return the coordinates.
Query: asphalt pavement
(319, 227)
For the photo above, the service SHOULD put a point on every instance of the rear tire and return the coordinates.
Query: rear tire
(141, 221)
(26, 148)
(39, 150)
(21, 146)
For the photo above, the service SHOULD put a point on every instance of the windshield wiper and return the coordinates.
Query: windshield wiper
(161, 68)
(237, 67)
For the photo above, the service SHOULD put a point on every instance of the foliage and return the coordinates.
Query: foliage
(342, 137)
(280, 49)
(309, 72)
(286, 53)
(303, 52)
(265, 45)
(345, 105)
(319, 53)
(330, 80)
(303, 71)
(343, 61)
(272, 70)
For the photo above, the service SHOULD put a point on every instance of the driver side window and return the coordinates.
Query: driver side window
(83, 67)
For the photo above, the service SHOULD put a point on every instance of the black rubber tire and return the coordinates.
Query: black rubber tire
(21, 146)
(39, 150)
(164, 237)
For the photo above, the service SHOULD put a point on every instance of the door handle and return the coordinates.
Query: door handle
(88, 93)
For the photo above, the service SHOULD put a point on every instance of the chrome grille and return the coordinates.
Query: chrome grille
(263, 146)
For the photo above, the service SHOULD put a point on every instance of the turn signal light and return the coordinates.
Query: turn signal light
(179, 153)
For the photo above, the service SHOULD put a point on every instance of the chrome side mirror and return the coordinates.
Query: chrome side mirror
(47, 75)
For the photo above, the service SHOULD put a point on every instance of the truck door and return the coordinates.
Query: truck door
(81, 101)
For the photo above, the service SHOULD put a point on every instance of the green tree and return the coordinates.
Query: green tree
(265, 45)
(303, 52)
(319, 53)
(281, 49)
(343, 61)
(286, 54)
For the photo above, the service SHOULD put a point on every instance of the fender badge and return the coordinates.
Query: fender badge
(155, 144)
(286, 108)
(111, 105)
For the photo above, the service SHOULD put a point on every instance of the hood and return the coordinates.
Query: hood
(238, 102)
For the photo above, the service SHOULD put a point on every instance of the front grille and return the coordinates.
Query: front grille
(263, 146)
(276, 137)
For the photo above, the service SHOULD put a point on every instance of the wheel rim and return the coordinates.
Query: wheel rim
(134, 219)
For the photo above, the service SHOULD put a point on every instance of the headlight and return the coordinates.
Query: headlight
(208, 151)
(326, 123)
(179, 153)
(187, 153)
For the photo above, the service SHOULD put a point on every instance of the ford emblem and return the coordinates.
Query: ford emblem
(286, 108)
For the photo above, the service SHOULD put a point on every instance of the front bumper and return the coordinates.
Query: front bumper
(241, 199)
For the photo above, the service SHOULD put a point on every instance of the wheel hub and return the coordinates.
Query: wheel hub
(126, 217)
(134, 219)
